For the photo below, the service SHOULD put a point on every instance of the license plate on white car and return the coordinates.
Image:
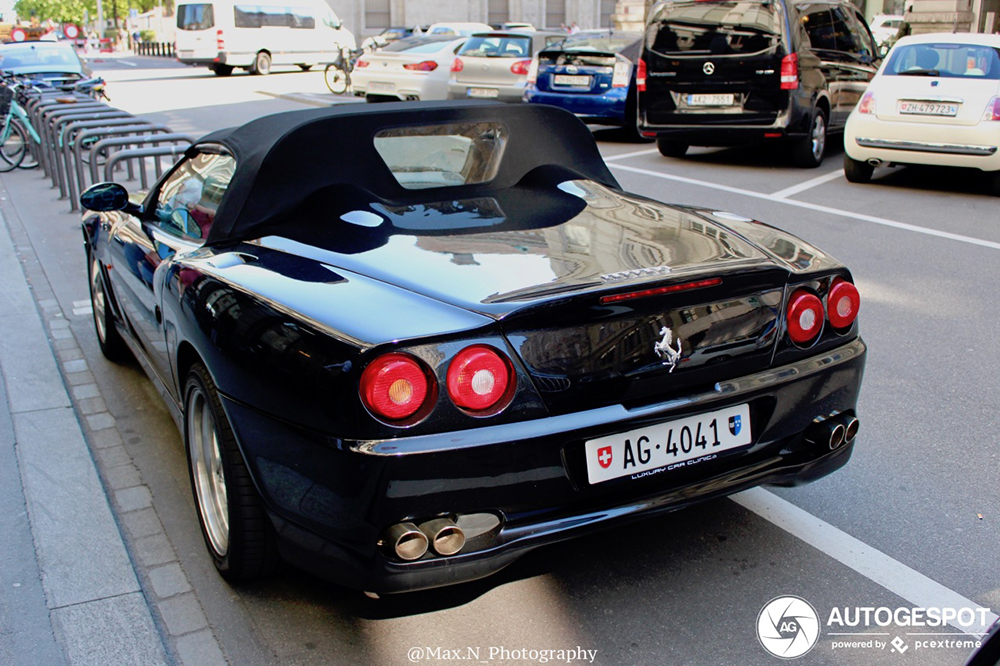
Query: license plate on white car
(571, 80)
(667, 446)
(482, 92)
(381, 87)
(928, 108)
(711, 100)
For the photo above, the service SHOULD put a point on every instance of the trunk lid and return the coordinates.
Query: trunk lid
(714, 62)
(556, 290)
(925, 97)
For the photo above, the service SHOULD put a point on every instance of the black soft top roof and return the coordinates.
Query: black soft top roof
(284, 158)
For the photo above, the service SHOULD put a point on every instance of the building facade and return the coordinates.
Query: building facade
(369, 17)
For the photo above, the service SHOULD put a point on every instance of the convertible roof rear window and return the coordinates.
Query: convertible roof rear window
(443, 155)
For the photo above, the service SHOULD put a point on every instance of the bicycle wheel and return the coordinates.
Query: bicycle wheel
(30, 159)
(15, 145)
(337, 79)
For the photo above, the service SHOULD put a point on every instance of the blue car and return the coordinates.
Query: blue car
(590, 74)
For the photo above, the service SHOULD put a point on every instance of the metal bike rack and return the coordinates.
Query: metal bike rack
(98, 149)
(40, 121)
(137, 153)
(77, 133)
(58, 136)
(45, 129)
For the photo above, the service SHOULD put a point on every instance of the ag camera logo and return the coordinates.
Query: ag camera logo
(788, 627)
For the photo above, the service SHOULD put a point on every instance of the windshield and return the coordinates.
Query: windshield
(605, 42)
(195, 17)
(35, 55)
(443, 155)
(714, 28)
(962, 61)
(497, 46)
(419, 44)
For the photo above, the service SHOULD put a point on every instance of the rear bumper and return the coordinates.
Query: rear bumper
(604, 108)
(505, 93)
(330, 499)
(975, 146)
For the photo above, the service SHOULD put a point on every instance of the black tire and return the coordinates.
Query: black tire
(305, 68)
(14, 148)
(995, 183)
(808, 151)
(108, 338)
(249, 548)
(671, 148)
(631, 126)
(337, 80)
(856, 171)
(261, 64)
(30, 159)
(222, 70)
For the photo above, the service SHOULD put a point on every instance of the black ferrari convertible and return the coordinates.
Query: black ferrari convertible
(407, 343)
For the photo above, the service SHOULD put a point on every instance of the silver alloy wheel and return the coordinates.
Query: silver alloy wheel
(818, 136)
(97, 300)
(206, 469)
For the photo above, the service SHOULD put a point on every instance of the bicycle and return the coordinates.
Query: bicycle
(338, 73)
(15, 131)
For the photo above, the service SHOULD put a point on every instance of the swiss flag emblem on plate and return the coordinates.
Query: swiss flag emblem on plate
(604, 456)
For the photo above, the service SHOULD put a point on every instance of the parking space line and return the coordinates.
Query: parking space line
(637, 153)
(808, 185)
(816, 207)
(870, 562)
(126, 62)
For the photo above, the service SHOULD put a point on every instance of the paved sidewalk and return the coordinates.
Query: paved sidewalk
(68, 589)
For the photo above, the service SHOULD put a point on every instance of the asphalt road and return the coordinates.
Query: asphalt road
(912, 521)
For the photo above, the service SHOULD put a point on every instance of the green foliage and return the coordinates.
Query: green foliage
(147, 35)
(63, 11)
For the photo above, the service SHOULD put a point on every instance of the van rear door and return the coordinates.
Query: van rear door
(713, 63)
(196, 39)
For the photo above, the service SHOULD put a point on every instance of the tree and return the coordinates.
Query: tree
(62, 11)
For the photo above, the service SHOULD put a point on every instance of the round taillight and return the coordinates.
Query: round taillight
(457, 65)
(805, 317)
(394, 386)
(842, 303)
(478, 378)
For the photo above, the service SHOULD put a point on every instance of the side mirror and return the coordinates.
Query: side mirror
(104, 197)
(337, 24)
(883, 50)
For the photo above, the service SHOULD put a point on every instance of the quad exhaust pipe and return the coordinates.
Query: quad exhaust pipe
(410, 542)
(830, 434)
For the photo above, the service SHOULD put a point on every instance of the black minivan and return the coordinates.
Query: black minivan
(723, 73)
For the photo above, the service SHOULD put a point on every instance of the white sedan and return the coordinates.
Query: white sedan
(936, 101)
(414, 68)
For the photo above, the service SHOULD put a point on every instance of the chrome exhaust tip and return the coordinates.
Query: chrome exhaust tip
(837, 434)
(828, 434)
(446, 538)
(851, 426)
(406, 541)
(875, 162)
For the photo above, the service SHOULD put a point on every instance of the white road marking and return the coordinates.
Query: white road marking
(808, 185)
(816, 207)
(637, 153)
(871, 563)
(130, 64)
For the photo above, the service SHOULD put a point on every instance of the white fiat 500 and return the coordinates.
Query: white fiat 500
(936, 101)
